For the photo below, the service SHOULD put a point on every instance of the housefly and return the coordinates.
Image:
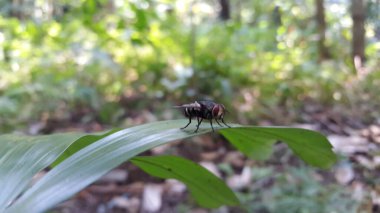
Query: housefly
(208, 110)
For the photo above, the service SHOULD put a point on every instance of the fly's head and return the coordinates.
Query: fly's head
(218, 111)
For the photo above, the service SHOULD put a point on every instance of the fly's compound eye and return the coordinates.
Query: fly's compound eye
(217, 111)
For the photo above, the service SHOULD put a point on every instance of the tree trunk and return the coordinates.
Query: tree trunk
(17, 9)
(358, 31)
(224, 13)
(276, 16)
(321, 25)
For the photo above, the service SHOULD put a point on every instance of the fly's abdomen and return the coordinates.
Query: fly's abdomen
(191, 112)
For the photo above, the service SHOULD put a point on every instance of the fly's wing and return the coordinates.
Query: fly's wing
(209, 105)
(194, 105)
(206, 109)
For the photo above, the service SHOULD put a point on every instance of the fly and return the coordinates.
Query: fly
(208, 110)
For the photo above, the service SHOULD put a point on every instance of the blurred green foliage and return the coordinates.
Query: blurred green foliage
(106, 58)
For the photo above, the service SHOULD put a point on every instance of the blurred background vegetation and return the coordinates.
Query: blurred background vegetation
(93, 64)
(107, 60)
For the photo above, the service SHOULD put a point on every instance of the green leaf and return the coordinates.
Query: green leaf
(310, 146)
(208, 190)
(80, 144)
(141, 23)
(22, 157)
(90, 163)
(253, 144)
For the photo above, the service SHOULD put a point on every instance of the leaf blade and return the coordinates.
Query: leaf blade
(93, 161)
(260, 149)
(23, 157)
(96, 159)
(80, 144)
(208, 190)
(31, 154)
(317, 151)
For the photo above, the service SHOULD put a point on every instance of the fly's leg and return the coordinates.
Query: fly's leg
(211, 125)
(218, 122)
(225, 123)
(187, 124)
(199, 123)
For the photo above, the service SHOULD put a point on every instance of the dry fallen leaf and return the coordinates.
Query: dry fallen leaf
(344, 173)
(240, 181)
(349, 145)
(125, 203)
(152, 197)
